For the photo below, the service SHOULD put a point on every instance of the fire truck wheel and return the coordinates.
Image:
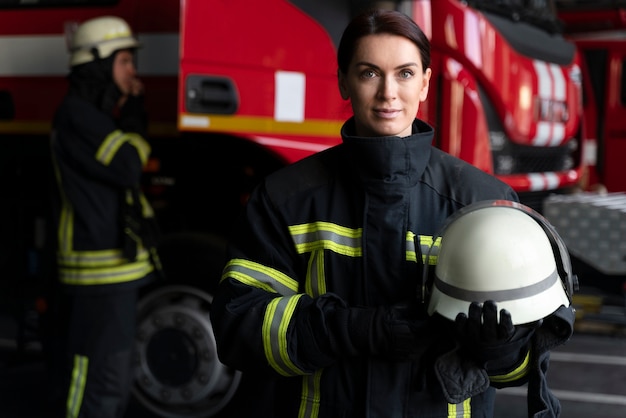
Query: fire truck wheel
(177, 373)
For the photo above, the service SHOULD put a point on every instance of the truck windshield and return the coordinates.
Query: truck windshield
(531, 27)
(540, 13)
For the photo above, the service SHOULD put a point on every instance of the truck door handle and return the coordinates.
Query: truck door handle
(211, 94)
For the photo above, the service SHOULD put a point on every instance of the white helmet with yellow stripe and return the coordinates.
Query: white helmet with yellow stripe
(100, 37)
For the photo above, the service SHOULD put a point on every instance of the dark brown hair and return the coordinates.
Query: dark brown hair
(375, 22)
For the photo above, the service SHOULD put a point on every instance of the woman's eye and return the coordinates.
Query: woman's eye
(406, 74)
(368, 74)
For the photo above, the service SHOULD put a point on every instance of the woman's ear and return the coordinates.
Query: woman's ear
(425, 84)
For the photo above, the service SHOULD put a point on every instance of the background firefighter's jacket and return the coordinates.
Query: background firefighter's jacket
(106, 229)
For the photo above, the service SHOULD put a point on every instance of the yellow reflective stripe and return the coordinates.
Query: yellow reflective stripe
(65, 232)
(426, 242)
(325, 235)
(142, 146)
(66, 227)
(519, 372)
(430, 249)
(310, 406)
(146, 208)
(278, 314)
(110, 145)
(99, 258)
(113, 141)
(315, 283)
(411, 255)
(106, 275)
(128, 196)
(460, 410)
(77, 386)
(257, 275)
(116, 33)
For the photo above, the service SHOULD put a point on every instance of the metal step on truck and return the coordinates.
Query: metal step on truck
(593, 226)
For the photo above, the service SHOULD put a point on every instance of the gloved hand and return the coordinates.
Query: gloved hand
(393, 333)
(497, 346)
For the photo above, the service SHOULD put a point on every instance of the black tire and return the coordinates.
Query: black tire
(177, 373)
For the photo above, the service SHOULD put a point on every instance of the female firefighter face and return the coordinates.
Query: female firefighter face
(385, 75)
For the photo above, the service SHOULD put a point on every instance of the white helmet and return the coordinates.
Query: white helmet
(501, 251)
(102, 35)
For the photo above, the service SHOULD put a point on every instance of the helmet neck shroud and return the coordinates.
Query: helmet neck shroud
(93, 82)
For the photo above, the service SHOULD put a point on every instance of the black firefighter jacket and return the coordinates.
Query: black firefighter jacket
(102, 217)
(342, 224)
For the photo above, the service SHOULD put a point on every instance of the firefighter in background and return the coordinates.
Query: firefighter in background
(320, 302)
(106, 231)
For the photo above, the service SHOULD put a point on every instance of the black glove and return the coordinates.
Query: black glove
(393, 333)
(498, 347)
(133, 117)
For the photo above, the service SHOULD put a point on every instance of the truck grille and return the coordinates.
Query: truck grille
(520, 159)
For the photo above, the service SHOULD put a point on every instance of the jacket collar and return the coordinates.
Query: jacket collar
(389, 159)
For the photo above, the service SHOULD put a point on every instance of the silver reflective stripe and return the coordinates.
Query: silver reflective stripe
(310, 405)
(98, 258)
(329, 236)
(315, 286)
(110, 145)
(430, 249)
(427, 249)
(316, 278)
(460, 410)
(77, 386)
(115, 140)
(278, 314)
(106, 275)
(260, 276)
(498, 295)
(411, 255)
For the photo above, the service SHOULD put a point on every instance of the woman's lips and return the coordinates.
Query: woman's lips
(386, 113)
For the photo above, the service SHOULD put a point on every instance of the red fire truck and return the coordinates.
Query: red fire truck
(236, 89)
(598, 29)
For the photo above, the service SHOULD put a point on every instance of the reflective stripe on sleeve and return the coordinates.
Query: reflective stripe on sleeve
(257, 275)
(113, 141)
(110, 145)
(142, 146)
(460, 410)
(278, 314)
(516, 374)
